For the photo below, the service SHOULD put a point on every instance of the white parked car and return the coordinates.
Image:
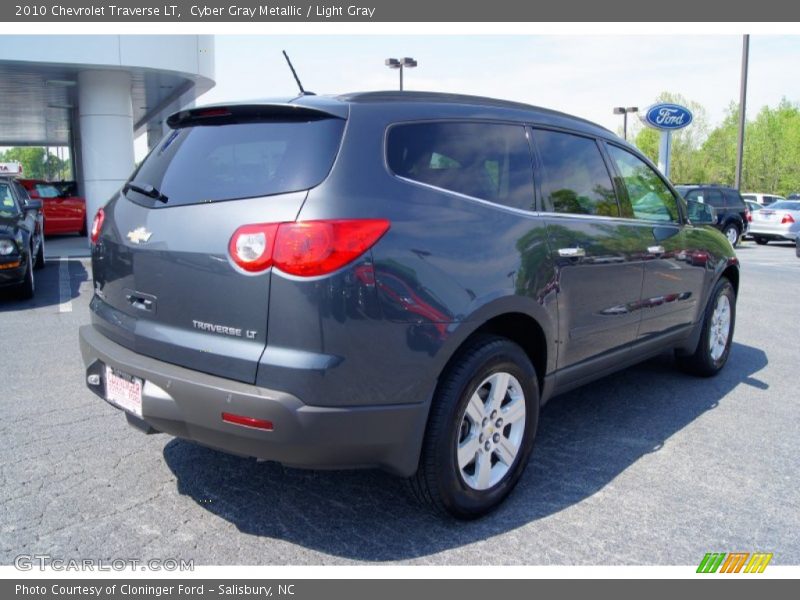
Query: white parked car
(762, 199)
(778, 221)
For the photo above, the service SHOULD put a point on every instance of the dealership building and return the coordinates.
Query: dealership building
(95, 94)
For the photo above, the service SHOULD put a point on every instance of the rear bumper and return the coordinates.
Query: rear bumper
(774, 233)
(189, 404)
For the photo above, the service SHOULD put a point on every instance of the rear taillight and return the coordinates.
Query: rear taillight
(97, 225)
(787, 218)
(748, 215)
(304, 248)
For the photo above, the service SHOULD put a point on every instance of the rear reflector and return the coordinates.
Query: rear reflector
(247, 421)
(304, 248)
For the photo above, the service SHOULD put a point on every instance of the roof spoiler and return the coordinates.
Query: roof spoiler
(243, 113)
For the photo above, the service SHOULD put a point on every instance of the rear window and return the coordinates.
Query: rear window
(785, 205)
(209, 163)
(489, 161)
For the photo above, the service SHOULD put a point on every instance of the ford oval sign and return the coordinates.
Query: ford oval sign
(667, 116)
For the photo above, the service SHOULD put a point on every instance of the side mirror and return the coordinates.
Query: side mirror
(700, 213)
(33, 204)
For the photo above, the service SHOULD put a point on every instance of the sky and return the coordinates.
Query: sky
(581, 75)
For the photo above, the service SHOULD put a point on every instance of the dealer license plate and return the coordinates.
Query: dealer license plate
(124, 391)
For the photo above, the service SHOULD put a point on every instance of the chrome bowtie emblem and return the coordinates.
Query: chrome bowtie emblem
(139, 235)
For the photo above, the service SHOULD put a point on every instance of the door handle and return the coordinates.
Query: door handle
(655, 250)
(577, 252)
(141, 301)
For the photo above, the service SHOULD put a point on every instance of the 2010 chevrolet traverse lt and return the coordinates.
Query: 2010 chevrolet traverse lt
(393, 280)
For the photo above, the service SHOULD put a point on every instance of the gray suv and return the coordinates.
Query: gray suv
(393, 280)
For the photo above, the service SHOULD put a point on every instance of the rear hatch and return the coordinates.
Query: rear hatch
(165, 285)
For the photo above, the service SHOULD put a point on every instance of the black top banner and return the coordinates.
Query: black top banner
(400, 10)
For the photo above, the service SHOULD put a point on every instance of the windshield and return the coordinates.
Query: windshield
(209, 163)
(785, 205)
(7, 205)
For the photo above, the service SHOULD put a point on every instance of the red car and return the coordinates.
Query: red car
(63, 211)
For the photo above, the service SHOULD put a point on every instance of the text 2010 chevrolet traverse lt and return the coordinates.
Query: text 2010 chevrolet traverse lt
(393, 280)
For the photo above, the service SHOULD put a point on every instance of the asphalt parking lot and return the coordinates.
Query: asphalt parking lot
(649, 466)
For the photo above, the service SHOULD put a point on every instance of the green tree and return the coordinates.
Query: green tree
(36, 162)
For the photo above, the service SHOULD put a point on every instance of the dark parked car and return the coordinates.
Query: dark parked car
(393, 280)
(21, 238)
(732, 212)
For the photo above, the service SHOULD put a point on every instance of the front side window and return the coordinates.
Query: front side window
(650, 198)
(574, 176)
(489, 161)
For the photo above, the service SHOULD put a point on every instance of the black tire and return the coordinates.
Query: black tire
(733, 233)
(84, 229)
(702, 362)
(27, 288)
(439, 481)
(40, 262)
(761, 241)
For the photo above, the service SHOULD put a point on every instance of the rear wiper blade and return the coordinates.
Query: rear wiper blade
(145, 188)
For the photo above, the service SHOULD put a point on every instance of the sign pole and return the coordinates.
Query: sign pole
(664, 151)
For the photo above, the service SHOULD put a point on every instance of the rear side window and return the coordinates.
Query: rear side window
(489, 161)
(733, 199)
(574, 176)
(714, 198)
(208, 163)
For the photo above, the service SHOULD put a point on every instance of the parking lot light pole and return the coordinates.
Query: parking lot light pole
(621, 110)
(400, 63)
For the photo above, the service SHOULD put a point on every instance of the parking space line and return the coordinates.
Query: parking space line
(64, 291)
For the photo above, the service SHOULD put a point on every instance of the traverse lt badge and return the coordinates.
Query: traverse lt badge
(139, 235)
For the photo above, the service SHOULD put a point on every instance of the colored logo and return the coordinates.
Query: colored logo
(734, 562)
(666, 116)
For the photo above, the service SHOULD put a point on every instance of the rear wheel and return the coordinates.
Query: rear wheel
(481, 430)
(716, 336)
(731, 231)
(761, 241)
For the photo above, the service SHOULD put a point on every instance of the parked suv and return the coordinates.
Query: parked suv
(393, 280)
(732, 212)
